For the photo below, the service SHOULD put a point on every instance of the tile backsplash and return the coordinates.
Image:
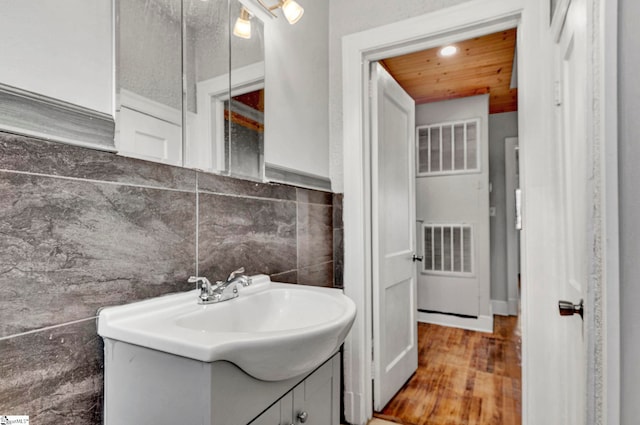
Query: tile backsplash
(82, 229)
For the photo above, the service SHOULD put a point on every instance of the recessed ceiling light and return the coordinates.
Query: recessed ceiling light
(448, 51)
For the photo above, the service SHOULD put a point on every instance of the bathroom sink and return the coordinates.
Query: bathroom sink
(272, 331)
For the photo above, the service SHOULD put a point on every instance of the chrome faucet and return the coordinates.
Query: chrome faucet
(205, 287)
(221, 291)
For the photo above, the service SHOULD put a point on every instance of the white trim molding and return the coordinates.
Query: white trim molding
(205, 148)
(513, 306)
(43, 117)
(134, 101)
(500, 307)
(505, 308)
(277, 174)
(604, 24)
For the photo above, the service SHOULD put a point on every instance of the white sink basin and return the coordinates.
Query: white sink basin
(272, 331)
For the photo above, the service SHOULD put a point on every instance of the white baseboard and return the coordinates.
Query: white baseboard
(499, 307)
(353, 408)
(481, 323)
(505, 308)
(514, 306)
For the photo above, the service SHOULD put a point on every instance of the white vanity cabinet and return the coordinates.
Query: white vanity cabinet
(145, 386)
(271, 353)
(315, 401)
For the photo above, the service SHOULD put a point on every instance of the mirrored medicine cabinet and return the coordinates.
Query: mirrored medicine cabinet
(179, 82)
(189, 87)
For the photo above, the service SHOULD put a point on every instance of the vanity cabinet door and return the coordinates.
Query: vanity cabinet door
(316, 401)
(280, 413)
(270, 417)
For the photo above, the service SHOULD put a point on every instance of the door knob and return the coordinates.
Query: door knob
(417, 258)
(567, 308)
(302, 417)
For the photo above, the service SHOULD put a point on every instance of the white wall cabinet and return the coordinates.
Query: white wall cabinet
(62, 50)
(315, 401)
(57, 81)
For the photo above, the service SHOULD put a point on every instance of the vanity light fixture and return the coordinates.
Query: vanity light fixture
(448, 50)
(242, 28)
(290, 8)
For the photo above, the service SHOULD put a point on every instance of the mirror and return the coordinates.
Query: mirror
(217, 122)
(244, 135)
(206, 58)
(149, 80)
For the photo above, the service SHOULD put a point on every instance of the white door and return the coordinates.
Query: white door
(572, 121)
(395, 351)
(452, 187)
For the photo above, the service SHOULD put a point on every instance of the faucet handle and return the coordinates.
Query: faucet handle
(235, 273)
(204, 286)
(200, 282)
(196, 279)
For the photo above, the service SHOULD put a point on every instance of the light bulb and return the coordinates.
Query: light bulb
(242, 28)
(448, 51)
(292, 11)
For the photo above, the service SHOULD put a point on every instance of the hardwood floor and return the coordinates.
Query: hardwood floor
(463, 377)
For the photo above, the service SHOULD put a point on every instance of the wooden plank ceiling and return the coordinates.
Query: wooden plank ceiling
(482, 65)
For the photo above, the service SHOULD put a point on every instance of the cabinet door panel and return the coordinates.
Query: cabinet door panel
(270, 417)
(280, 413)
(318, 397)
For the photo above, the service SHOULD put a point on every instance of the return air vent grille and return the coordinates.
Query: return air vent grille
(448, 148)
(448, 248)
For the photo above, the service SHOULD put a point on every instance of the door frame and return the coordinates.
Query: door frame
(513, 251)
(210, 122)
(456, 23)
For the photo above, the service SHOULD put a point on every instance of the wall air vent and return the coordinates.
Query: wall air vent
(448, 148)
(448, 249)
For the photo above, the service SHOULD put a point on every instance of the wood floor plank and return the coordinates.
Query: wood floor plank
(463, 378)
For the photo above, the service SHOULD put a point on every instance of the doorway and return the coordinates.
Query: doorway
(541, 254)
(465, 104)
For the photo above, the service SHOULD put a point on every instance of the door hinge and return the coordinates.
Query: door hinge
(518, 209)
(373, 362)
(557, 93)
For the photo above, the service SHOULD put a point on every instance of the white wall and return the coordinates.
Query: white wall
(347, 17)
(629, 173)
(297, 90)
(59, 48)
(500, 126)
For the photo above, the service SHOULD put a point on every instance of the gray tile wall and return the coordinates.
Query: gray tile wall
(81, 229)
(338, 238)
